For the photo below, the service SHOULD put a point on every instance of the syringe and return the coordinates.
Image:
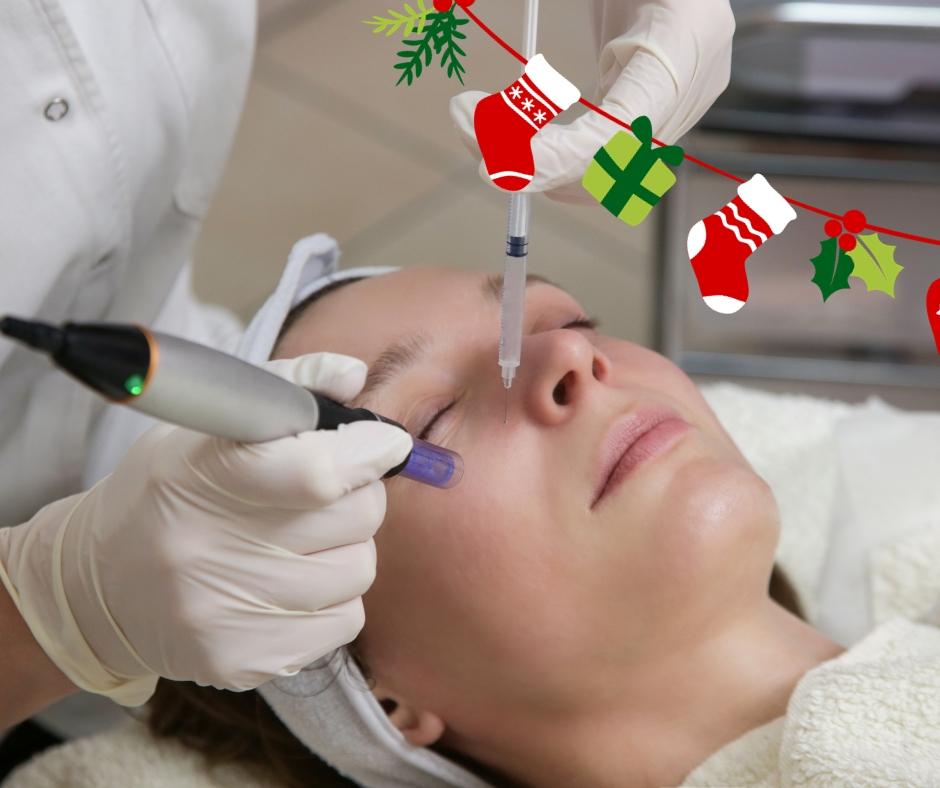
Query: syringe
(512, 310)
(513, 296)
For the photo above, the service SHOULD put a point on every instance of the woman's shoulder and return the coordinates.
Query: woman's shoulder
(129, 757)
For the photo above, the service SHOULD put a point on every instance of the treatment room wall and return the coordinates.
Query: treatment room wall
(329, 143)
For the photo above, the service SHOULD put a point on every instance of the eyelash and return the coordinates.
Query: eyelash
(584, 321)
(589, 323)
(427, 430)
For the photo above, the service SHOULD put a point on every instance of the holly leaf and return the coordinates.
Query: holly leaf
(833, 268)
(875, 264)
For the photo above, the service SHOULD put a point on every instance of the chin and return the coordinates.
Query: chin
(719, 524)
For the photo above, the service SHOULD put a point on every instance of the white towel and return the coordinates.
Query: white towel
(870, 717)
(890, 539)
(128, 757)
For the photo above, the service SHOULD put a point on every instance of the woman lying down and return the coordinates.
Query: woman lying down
(542, 624)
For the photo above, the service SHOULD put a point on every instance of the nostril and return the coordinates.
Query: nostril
(560, 393)
(601, 367)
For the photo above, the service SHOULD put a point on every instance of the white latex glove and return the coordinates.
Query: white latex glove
(666, 59)
(206, 560)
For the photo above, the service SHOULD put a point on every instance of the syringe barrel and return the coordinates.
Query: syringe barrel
(512, 311)
(518, 233)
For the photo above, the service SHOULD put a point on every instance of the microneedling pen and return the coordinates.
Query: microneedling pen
(512, 308)
(202, 389)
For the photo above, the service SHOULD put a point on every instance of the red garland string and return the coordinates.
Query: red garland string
(711, 167)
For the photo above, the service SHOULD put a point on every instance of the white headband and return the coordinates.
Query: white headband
(311, 266)
(329, 707)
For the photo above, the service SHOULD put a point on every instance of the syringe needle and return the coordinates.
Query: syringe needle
(506, 418)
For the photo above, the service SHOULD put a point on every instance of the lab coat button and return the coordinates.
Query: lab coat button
(56, 109)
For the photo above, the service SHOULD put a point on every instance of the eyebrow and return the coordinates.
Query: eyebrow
(399, 356)
(392, 361)
(493, 285)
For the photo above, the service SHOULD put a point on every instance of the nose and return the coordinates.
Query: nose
(559, 370)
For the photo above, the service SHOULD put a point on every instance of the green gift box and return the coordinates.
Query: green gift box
(628, 176)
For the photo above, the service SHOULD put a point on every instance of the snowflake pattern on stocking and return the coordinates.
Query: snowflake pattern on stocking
(535, 108)
(506, 121)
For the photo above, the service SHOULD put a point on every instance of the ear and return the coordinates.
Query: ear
(420, 728)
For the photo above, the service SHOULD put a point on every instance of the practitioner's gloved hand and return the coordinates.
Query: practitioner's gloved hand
(667, 59)
(205, 560)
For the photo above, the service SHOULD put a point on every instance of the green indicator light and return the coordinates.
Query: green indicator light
(134, 385)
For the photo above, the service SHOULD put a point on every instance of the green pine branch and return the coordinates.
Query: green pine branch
(411, 59)
(441, 34)
(446, 45)
(410, 23)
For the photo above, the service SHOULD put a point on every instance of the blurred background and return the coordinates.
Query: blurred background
(836, 103)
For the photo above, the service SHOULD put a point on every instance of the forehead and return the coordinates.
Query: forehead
(363, 318)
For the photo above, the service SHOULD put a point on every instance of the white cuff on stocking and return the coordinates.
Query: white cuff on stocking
(767, 203)
(551, 83)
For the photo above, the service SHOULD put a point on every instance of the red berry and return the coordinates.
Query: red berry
(443, 5)
(847, 243)
(855, 221)
(833, 228)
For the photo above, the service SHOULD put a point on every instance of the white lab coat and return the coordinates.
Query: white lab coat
(101, 202)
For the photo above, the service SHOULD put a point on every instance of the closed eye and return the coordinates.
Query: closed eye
(430, 425)
(585, 322)
(589, 323)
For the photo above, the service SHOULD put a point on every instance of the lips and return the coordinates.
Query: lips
(632, 440)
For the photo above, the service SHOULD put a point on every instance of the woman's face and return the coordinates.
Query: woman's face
(504, 587)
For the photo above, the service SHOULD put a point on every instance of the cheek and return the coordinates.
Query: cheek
(633, 366)
(713, 540)
(461, 583)
(447, 556)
